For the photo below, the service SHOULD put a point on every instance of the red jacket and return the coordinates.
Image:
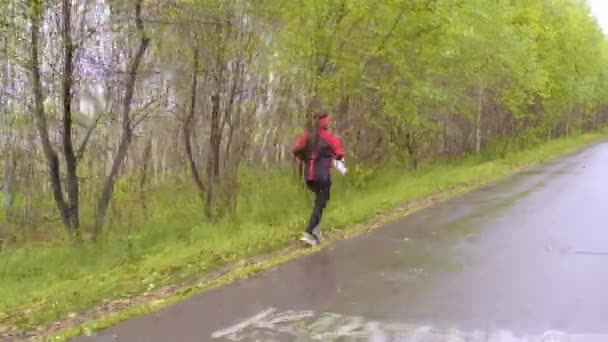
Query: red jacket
(318, 159)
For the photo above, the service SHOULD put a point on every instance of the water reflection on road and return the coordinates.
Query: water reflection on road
(273, 325)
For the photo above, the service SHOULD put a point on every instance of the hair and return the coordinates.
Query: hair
(312, 127)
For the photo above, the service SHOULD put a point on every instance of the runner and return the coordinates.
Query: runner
(318, 148)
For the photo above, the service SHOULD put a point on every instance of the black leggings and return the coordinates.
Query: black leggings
(321, 190)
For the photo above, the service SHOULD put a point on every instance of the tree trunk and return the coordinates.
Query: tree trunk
(187, 128)
(9, 191)
(144, 176)
(410, 149)
(127, 130)
(215, 135)
(213, 164)
(228, 112)
(594, 122)
(446, 145)
(40, 115)
(479, 119)
(568, 118)
(68, 148)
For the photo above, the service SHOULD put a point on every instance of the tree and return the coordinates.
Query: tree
(128, 124)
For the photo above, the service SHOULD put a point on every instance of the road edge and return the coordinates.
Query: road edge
(164, 297)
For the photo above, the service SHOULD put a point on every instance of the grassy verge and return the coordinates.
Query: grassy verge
(44, 284)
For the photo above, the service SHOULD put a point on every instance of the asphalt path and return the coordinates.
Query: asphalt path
(525, 259)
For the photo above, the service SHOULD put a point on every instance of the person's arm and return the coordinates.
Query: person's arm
(337, 147)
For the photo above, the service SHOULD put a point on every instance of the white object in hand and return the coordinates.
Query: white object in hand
(339, 165)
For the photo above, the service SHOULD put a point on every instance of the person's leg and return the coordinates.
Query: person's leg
(308, 237)
(324, 194)
(321, 191)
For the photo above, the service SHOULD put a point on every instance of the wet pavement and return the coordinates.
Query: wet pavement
(525, 259)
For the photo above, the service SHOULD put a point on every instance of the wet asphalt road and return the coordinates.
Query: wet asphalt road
(522, 260)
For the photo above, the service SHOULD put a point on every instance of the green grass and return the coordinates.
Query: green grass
(39, 285)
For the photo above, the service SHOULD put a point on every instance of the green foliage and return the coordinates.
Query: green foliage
(419, 80)
(541, 63)
(44, 283)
